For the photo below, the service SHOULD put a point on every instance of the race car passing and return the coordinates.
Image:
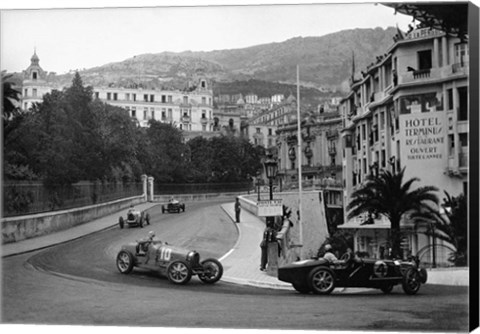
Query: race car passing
(173, 206)
(321, 276)
(134, 218)
(177, 264)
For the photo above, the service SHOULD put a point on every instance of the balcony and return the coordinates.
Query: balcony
(460, 68)
(421, 74)
(204, 120)
(186, 119)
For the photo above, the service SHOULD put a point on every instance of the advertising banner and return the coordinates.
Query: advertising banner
(270, 208)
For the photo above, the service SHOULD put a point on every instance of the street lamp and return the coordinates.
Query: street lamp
(271, 169)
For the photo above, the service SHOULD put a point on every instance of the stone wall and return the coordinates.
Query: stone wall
(24, 227)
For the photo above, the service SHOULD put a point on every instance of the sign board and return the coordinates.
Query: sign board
(270, 208)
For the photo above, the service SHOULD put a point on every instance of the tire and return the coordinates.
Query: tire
(125, 262)
(411, 282)
(179, 272)
(387, 288)
(321, 280)
(213, 271)
(121, 222)
(302, 288)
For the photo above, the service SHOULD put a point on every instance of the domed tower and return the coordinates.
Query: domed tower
(34, 84)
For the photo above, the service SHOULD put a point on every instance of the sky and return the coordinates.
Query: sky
(89, 33)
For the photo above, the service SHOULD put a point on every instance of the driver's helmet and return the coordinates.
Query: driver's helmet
(328, 247)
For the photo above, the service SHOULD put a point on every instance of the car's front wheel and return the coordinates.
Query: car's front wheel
(321, 280)
(212, 271)
(125, 262)
(179, 272)
(411, 281)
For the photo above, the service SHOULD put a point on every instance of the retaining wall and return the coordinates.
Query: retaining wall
(24, 227)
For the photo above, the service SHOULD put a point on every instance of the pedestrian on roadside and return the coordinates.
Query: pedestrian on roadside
(237, 210)
(268, 236)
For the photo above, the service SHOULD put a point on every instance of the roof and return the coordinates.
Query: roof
(450, 17)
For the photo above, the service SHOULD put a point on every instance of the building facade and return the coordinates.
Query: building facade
(409, 109)
(34, 84)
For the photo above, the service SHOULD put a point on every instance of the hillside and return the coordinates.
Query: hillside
(324, 61)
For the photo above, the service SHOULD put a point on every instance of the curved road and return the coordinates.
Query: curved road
(78, 283)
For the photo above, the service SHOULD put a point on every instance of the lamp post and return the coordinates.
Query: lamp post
(271, 169)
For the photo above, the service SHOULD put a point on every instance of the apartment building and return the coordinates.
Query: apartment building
(409, 109)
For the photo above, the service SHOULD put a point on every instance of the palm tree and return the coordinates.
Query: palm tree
(389, 195)
(450, 226)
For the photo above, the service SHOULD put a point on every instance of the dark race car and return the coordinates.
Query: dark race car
(177, 264)
(173, 206)
(321, 276)
(134, 218)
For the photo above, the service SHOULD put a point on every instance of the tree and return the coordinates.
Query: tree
(11, 98)
(451, 225)
(389, 195)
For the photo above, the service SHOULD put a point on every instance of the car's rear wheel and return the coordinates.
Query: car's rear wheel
(301, 287)
(125, 262)
(179, 272)
(411, 281)
(321, 280)
(387, 288)
(212, 271)
(121, 222)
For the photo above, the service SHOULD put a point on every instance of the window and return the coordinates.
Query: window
(164, 114)
(145, 97)
(115, 96)
(203, 84)
(204, 127)
(134, 97)
(461, 53)
(145, 111)
(25, 92)
(185, 99)
(451, 145)
(424, 60)
(164, 98)
(152, 112)
(382, 120)
(134, 112)
(34, 75)
(270, 132)
(170, 98)
(97, 95)
(204, 114)
(204, 100)
(364, 132)
(152, 98)
(127, 96)
(450, 99)
(109, 96)
(463, 139)
(34, 92)
(463, 104)
(170, 113)
(259, 130)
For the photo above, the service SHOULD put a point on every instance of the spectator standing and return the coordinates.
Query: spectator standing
(237, 210)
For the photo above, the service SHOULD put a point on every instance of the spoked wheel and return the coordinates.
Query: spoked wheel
(125, 262)
(321, 281)
(387, 288)
(213, 271)
(302, 288)
(179, 272)
(411, 281)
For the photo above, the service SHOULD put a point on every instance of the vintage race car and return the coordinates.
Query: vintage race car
(321, 276)
(173, 206)
(135, 218)
(177, 264)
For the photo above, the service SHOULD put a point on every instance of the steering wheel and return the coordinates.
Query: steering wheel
(346, 257)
